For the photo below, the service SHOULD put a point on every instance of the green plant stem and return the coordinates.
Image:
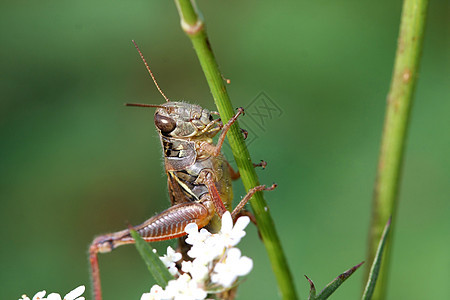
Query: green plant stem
(194, 27)
(395, 129)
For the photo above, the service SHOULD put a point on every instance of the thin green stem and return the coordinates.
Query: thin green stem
(193, 25)
(399, 103)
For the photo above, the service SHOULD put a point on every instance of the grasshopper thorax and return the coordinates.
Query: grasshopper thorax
(184, 120)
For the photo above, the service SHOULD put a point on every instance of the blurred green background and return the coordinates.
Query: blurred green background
(76, 163)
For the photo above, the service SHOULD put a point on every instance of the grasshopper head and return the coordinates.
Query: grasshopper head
(184, 120)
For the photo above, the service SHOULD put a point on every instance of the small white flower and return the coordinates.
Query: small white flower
(197, 270)
(171, 257)
(232, 235)
(173, 270)
(39, 295)
(184, 288)
(195, 236)
(215, 262)
(209, 250)
(54, 296)
(225, 273)
(73, 295)
(169, 260)
(156, 293)
(175, 286)
(205, 246)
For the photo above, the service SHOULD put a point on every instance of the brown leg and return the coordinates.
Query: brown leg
(247, 197)
(249, 214)
(236, 175)
(245, 133)
(207, 178)
(225, 129)
(167, 225)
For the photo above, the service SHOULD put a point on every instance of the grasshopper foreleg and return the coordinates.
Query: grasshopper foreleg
(214, 150)
(167, 225)
(225, 129)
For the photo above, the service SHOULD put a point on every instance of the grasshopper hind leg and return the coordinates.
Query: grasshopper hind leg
(169, 224)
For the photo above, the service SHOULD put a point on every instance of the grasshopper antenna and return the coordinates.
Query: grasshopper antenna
(144, 105)
(150, 72)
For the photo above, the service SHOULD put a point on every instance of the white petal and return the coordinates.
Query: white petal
(197, 269)
(227, 222)
(233, 254)
(156, 289)
(245, 266)
(170, 251)
(173, 270)
(186, 266)
(204, 232)
(195, 292)
(39, 295)
(176, 256)
(176, 287)
(75, 293)
(241, 223)
(156, 293)
(191, 228)
(170, 258)
(207, 251)
(146, 296)
(223, 275)
(54, 296)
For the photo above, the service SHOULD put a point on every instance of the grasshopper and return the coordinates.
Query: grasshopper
(198, 178)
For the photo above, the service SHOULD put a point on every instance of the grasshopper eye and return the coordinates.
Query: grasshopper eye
(165, 124)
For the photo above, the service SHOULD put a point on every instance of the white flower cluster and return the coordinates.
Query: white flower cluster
(73, 295)
(216, 266)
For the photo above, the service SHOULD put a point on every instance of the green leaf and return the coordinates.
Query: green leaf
(332, 286)
(312, 289)
(154, 264)
(375, 268)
